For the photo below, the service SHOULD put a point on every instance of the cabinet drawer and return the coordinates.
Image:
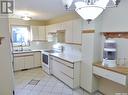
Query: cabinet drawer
(116, 77)
(64, 62)
(66, 79)
(67, 70)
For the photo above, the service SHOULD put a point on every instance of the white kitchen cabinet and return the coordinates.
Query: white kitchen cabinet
(55, 33)
(50, 29)
(55, 68)
(18, 63)
(42, 33)
(23, 61)
(90, 55)
(38, 33)
(37, 59)
(61, 26)
(66, 71)
(73, 29)
(77, 30)
(68, 29)
(35, 33)
(28, 61)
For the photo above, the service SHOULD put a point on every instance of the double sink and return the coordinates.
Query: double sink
(22, 51)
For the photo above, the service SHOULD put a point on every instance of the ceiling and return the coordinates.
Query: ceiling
(41, 9)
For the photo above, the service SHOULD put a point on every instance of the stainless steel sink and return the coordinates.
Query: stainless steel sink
(20, 51)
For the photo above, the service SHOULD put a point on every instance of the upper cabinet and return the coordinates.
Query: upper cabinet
(38, 32)
(68, 31)
(34, 31)
(51, 29)
(42, 33)
(77, 28)
(72, 30)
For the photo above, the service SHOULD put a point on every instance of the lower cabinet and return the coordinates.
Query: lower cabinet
(66, 71)
(27, 60)
(37, 59)
(18, 63)
(23, 61)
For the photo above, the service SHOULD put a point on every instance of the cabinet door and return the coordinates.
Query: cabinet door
(28, 61)
(61, 26)
(37, 59)
(56, 68)
(88, 81)
(68, 30)
(18, 63)
(77, 27)
(86, 76)
(86, 65)
(50, 29)
(42, 34)
(35, 32)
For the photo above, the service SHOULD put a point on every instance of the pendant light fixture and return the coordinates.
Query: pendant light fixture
(24, 14)
(89, 9)
(26, 17)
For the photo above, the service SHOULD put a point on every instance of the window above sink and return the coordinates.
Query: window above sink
(20, 35)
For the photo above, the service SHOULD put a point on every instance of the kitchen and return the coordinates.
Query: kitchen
(75, 50)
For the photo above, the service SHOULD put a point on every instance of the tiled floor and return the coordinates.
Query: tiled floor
(47, 85)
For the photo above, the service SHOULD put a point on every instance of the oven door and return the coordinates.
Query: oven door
(45, 59)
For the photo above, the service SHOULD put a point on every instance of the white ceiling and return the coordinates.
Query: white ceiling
(41, 9)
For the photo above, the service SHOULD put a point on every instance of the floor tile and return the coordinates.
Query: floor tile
(47, 85)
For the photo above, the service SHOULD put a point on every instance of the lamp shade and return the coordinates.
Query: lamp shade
(88, 12)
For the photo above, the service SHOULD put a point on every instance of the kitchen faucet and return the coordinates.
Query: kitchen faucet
(62, 48)
(21, 46)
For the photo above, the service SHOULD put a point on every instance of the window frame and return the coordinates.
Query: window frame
(29, 30)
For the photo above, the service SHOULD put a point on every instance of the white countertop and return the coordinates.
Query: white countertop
(29, 51)
(68, 57)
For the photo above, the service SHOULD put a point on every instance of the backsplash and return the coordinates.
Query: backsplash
(70, 49)
(40, 45)
(35, 46)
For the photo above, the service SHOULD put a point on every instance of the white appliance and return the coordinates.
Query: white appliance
(46, 61)
(46, 64)
(109, 53)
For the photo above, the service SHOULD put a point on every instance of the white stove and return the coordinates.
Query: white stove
(46, 64)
